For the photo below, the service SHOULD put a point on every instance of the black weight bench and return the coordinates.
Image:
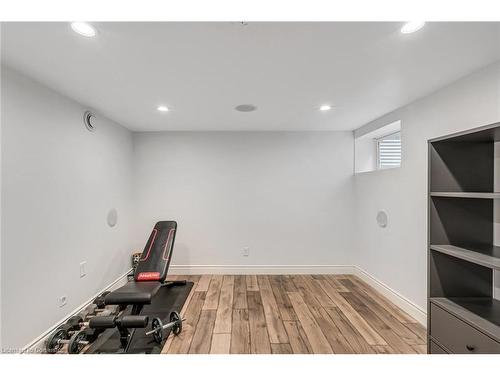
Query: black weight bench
(151, 271)
(149, 277)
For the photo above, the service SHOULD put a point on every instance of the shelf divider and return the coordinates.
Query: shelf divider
(487, 256)
(476, 195)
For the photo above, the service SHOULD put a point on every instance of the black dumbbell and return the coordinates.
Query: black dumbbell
(77, 342)
(157, 327)
(92, 311)
(54, 342)
(60, 337)
(72, 324)
(80, 339)
(76, 338)
(99, 301)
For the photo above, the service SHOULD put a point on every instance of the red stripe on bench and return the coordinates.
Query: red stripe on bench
(155, 231)
(170, 233)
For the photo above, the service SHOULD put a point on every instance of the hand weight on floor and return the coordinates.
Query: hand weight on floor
(157, 327)
(99, 301)
(60, 337)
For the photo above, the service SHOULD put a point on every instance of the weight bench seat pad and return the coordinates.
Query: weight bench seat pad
(133, 293)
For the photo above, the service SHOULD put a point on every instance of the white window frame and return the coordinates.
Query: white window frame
(366, 148)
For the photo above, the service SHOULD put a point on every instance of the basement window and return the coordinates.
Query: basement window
(389, 151)
(377, 149)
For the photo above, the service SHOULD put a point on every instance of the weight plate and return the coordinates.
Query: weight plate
(53, 345)
(176, 318)
(157, 327)
(75, 321)
(67, 327)
(74, 346)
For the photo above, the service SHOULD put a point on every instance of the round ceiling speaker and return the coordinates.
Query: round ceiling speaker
(382, 219)
(112, 218)
(89, 120)
(245, 108)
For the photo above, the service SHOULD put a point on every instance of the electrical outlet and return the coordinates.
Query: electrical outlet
(246, 251)
(82, 269)
(62, 301)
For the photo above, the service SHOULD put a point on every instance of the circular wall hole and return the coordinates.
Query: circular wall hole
(245, 108)
(112, 218)
(382, 219)
(89, 121)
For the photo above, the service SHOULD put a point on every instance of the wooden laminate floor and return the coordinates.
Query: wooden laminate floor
(292, 314)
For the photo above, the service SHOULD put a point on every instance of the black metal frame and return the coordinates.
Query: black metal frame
(126, 335)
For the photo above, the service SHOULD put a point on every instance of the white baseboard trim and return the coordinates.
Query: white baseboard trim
(37, 345)
(415, 311)
(259, 269)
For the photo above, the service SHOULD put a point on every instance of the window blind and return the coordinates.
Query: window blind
(389, 151)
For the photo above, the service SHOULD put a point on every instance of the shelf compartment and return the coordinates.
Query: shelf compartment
(486, 256)
(472, 195)
(450, 276)
(454, 166)
(481, 313)
(461, 221)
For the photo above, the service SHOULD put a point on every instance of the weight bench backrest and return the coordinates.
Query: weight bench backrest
(155, 259)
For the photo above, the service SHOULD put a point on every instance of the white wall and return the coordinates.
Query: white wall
(396, 255)
(365, 154)
(58, 183)
(286, 195)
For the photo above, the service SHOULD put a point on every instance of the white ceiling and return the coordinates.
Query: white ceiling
(203, 70)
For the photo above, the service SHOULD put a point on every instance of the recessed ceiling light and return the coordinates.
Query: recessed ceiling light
(411, 27)
(83, 28)
(162, 108)
(325, 107)
(245, 108)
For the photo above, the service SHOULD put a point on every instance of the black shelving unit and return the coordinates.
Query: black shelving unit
(463, 316)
